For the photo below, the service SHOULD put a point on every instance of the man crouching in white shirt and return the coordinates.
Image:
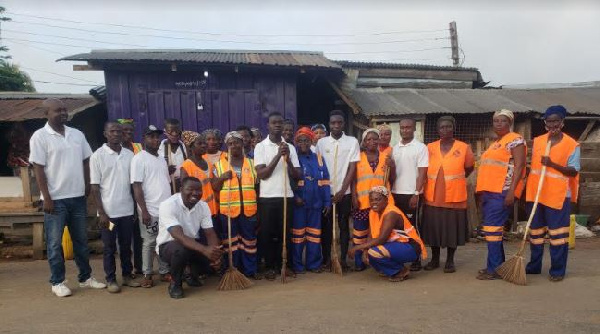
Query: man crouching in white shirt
(180, 218)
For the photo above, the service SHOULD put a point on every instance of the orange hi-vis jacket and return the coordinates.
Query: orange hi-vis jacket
(367, 179)
(232, 189)
(454, 171)
(494, 164)
(386, 151)
(556, 184)
(137, 148)
(208, 195)
(408, 232)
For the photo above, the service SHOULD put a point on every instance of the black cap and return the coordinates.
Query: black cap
(152, 129)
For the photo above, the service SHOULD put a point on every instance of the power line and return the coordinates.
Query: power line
(390, 51)
(54, 73)
(47, 43)
(54, 83)
(37, 47)
(230, 41)
(228, 34)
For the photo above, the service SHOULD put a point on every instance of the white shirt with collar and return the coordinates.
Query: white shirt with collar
(408, 158)
(348, 152)
(174, 213)
(62, 158)
(272, 187)
(177, 158)
(153, 173)
(111, 170)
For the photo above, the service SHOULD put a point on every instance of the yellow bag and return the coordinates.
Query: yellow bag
(67, 245)
(573, 223)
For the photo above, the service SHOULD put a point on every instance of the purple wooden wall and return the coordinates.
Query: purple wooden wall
(223, 100)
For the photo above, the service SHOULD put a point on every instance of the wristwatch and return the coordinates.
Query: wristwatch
(417, 193)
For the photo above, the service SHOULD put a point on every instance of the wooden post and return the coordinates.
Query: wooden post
(38, 241)
(26, 182)
(454, 43)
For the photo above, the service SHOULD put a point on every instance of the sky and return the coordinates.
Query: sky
(511, 42)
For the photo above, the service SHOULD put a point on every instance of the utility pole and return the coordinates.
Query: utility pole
(454, 43)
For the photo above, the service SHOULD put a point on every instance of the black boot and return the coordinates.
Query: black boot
(175, 290)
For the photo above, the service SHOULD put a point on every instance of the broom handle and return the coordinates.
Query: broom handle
(229, 251)
(285, 185)
(334, 220)
(173, 188)
(539, 190)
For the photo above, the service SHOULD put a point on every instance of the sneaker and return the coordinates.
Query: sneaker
(113, 287)
(175, 291)
(92, 283)
(61, 290)
(130, 281)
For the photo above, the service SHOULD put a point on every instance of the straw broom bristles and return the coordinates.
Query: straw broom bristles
(336, 266)
(513, 270)
(232, 279)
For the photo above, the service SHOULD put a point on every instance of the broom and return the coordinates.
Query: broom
(284, 248)
(232, 279)
(336, 266)
(513, 270)
(173, 188)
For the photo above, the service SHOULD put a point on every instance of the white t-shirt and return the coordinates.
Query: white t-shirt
(62, 158)
(174, 213)
(272, 187)
(153, 172)
(348, 152)
(177, 158)
(408, 159)
(111, 170)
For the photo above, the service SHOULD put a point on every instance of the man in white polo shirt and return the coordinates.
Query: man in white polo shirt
(268, 159)
(176, 155)
(111, 190)
(60, 157)
(411, 158)
(181, 217)
(348, 154)
(151, 186)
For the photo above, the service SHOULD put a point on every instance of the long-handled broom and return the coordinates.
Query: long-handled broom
(169, 161)
(513, 270)
(284, 245)
(336, 266)
(232, 279)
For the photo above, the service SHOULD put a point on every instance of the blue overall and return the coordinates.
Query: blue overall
(389, 258)
(556, 223)
(243, 243)
(495, 214)
(314, 191)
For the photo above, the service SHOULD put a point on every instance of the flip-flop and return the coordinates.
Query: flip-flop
(448, 269)
(401, 276)
(488, 277)
(556, 278)
(431, 266)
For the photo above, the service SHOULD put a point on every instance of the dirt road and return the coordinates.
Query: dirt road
(430, 302)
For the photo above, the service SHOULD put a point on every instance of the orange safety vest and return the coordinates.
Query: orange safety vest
(367, 179)
(232, 189)
(385, 151)
(494, 164)
(137, 148)
(556, 184)
(409, 232)
(208, 195)
(454, 171)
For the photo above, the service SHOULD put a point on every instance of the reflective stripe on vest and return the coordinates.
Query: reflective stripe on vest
(208, 195)
(453, 164)
(396, 235)
(230, 192)
(556, 184)
(494, 164)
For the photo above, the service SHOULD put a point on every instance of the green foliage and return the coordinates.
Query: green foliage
(12, 79)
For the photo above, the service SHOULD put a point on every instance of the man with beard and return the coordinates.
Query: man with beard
(60, 157)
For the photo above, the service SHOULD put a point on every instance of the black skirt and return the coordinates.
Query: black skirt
(444, 227)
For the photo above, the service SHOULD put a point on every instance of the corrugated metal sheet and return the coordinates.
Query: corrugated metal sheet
(23, 106)
(386, 102)
(233, 57)
(363, 64)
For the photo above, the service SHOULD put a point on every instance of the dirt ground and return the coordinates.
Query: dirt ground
(429, 302)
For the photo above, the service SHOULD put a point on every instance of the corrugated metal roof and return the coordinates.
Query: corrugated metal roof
(364, 64)
(16, 106)
(386, 102)
(233, 57)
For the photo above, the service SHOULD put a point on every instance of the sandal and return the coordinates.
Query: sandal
(271, 275)
(431, 266)
(400, 276)
(316, 271)
(482, 271)
(449, 268)
(359, 269)
(255, 276)
(488, 277)
(147, 282)
(416, 266)
(166, 277)
(556, 278)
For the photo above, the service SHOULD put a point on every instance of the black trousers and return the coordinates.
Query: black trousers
(178, 257)
(122, 231)
(270, 234)
(403, 203)
(343, 215)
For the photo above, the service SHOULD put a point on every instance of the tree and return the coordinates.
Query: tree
(13, 79)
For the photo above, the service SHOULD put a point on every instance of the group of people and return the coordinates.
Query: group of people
(187, 199)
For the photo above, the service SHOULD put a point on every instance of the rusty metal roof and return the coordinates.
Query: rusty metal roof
(305, 59)
(403, 101)
(17, 106)
(364, 64)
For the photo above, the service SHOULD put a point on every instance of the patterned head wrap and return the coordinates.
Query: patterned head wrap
(367, 131)
(125, 120)
(380, 190)
(384, 127)
(233, 134)
(507, 113)
(189, 137)
(304, 131)
(318, 126)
